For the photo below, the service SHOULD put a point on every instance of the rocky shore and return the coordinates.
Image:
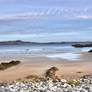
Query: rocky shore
(82, 45)
(5, 65)
(49, 83)
(82, 85)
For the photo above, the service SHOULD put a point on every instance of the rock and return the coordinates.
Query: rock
(3, 84)
(82, 45)
(59, 90)
(51, 73)
(5, 65)
(90, 51)
(4, 90)
(87, 76)
(50, 86)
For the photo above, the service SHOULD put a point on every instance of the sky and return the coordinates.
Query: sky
(46, 20)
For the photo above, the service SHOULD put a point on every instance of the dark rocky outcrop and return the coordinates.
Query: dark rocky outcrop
(18, 42)
(5, 65)
(82, 45)
(51, 73)
(90, 51)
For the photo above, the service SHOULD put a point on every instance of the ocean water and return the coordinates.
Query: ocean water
(53, 51)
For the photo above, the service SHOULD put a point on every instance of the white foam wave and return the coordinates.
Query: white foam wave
(68, 56)
(86, 49)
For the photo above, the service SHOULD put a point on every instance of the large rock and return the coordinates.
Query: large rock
(51, 73)
(5, 65)
(82, 45)
(90, 51)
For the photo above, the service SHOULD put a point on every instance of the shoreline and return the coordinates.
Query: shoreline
(82, 85)
(38, 65)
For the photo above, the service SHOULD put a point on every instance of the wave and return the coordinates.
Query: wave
(67, 56)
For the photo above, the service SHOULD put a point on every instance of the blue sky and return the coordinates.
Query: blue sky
(46, 20)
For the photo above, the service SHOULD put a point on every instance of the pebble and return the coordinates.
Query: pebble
(48, 86)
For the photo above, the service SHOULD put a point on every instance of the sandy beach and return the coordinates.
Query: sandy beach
(38, 65)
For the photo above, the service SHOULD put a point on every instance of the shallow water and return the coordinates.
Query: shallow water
(67, 56)
(55, 51)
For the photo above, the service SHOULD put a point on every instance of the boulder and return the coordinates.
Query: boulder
(90, 51)
(82, 45)
(51, 73)
(5, 65)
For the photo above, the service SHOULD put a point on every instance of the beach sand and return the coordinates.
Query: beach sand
(38, 65)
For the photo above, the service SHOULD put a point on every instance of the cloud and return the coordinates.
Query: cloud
(62, 12)
(85, 16)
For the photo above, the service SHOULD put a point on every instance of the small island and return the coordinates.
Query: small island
(82, 45)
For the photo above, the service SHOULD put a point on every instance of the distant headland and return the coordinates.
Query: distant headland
(20, 42)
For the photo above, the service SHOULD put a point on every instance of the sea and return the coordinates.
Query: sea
(45, 29)
(52, 51)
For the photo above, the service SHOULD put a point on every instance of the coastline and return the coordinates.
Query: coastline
(68, 70)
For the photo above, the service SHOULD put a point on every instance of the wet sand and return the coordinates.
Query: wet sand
(38, 65)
